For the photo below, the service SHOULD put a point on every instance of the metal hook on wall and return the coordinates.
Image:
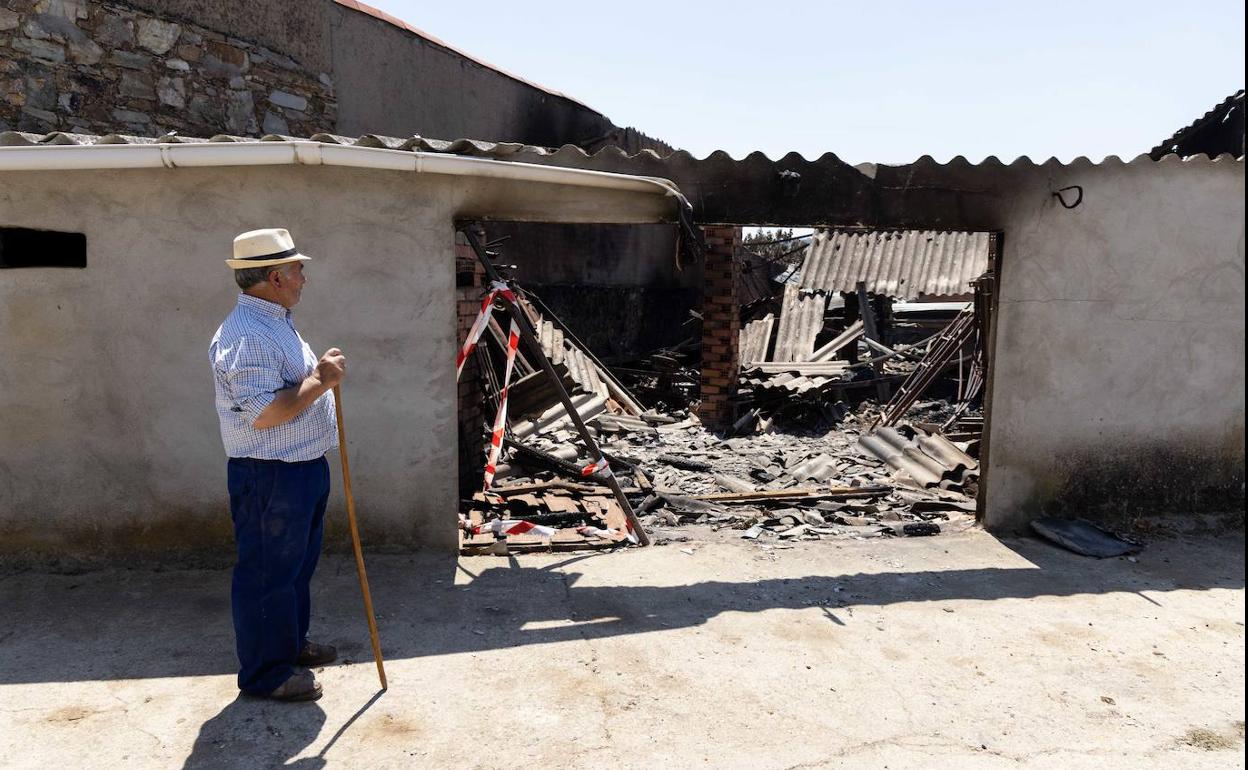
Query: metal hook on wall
(1062, 198)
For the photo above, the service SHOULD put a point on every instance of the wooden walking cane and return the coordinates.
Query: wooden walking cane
(355, 539)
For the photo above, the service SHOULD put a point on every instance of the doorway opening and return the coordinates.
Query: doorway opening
(851, 402)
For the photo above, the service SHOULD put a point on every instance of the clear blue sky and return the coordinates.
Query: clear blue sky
(869, 80)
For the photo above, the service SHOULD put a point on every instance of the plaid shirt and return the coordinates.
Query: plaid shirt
(255, 353)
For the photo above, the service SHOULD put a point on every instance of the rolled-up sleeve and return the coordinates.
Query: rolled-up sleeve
(250, 370)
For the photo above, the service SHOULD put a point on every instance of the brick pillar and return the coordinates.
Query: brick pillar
(468, 280)
(721, 324)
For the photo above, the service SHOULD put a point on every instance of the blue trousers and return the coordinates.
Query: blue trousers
(279, 513)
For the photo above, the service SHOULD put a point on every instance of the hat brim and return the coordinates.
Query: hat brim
(247, 264)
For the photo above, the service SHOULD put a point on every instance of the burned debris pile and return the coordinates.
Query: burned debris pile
(870, 314)
(789, 486)
(850, 316)
(832, 438)
(769, 486)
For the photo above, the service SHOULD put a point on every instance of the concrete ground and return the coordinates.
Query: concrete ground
(958, 651)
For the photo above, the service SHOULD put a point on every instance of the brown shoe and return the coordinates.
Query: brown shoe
(301, 685)
(314, 654)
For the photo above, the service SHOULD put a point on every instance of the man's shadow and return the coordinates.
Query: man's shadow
(257, 733)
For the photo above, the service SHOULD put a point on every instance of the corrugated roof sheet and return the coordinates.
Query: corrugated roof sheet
(821, 467)
(791, 383)
(929, 458)
(472, 147)
(690, 242)
(903, 264)
(925, 194)
(561, 350)
(801, 320)
(1229, 110)
(755, 338)
(570, 152)
(588, 406)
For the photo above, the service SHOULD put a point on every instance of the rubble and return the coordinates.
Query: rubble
(771, 487)
(809, 457)
(915, 303)
(927, 459)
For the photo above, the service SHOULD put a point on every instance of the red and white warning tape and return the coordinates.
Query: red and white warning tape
(605, 533)
(599, 467)
(497, 289)
(516, 526)
(603, 467)
(500, 419)
(513, 527)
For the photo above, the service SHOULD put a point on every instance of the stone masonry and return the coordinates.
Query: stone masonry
(721, 323)
(87, 66)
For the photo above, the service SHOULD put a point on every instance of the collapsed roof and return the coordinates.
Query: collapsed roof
(1219, 131)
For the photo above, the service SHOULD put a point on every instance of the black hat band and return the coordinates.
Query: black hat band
(278, 255)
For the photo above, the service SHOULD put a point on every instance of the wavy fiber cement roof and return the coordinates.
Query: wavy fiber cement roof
(904, 264)
(512, 150)
(754, 189)
(1220, 111)
(929, 458)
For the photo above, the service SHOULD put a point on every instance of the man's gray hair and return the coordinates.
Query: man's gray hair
(254, 275)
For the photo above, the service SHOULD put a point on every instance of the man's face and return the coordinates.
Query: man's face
(288, 284)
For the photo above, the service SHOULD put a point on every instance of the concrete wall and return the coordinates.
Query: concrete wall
(1119, 371)
(110, 445)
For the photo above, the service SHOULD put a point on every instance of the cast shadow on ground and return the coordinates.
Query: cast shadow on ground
(511, 605)
(253, 732)
(259, 732)
(78, 628)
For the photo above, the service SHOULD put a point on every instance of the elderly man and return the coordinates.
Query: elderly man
(276, 410)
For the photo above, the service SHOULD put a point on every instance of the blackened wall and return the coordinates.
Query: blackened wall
(622, 289)
(251, 67)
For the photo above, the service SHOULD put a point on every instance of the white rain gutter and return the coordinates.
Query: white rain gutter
(72, 157)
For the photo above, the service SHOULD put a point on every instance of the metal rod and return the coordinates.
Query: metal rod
(530, 339)
(869, 335)
(940, 354)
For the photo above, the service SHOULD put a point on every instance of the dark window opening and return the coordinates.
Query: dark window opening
(23, 247)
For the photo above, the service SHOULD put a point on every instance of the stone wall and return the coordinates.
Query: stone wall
(251, 67)
(106, 67)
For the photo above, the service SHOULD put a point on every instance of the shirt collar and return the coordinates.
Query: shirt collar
(263, 306)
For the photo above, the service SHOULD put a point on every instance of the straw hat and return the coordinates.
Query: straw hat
(264, 248)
